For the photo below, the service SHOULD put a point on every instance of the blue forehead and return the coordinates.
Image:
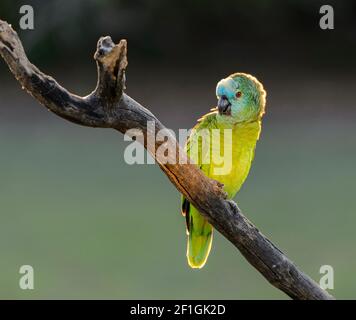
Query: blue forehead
(226, 87)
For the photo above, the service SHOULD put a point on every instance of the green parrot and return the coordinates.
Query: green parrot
(223, 144)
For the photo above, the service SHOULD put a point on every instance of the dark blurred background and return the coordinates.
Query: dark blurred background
(94, 227)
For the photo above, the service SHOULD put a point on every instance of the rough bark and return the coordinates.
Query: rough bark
(109, 107)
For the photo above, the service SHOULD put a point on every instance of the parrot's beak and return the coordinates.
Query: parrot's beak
(224, 106)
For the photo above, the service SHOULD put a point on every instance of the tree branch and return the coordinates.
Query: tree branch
(109, 107)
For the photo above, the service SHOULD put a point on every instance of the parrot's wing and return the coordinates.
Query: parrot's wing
(199, 230)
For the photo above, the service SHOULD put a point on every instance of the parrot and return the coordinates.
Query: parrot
(237, 120)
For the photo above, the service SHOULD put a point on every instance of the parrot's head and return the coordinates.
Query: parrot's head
(241, 98)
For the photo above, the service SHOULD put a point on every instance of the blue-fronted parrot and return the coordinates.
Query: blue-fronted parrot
(232, 128)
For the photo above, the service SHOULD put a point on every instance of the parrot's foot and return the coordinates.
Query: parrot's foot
(234, 206)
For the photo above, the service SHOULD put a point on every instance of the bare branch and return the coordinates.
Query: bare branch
(112, 62)
(109, 107)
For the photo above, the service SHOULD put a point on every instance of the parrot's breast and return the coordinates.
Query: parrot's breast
(232, 155)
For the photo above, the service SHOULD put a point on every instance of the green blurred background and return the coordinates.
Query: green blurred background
(94, 227)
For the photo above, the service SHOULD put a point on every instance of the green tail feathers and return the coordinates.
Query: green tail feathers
(199, 245)
(200, 236)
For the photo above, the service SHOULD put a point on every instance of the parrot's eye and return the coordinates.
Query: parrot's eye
(238, 94)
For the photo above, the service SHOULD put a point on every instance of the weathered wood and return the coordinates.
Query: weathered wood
(109, 107)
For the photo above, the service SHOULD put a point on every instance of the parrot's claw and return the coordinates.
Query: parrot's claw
(233, 206)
